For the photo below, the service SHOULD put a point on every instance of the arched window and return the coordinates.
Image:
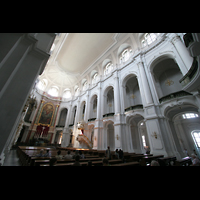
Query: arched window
(94, 78)
(53, 91)
(67, 94)
(149, 38)
(190, 115)
(196, 137)
(108, 68)
(125, 55)
(77, 91)
(42, 84)
(85, 85)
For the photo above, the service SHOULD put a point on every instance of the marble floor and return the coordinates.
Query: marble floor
(12, 159)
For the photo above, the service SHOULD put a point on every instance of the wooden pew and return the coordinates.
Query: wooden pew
(167, 161)
(138, 157)
(100, 163)
(63, 161)
(147, 159)
(127, 164)
(183, 162)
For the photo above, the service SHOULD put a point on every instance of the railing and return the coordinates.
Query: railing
(91, 119)
(139, 106)
(85, 139)
(188, 39)
(190, 74)
(174, 95)
(108, 115)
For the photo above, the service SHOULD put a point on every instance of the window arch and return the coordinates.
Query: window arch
(42, 84)
(196, 137)
(77, 90)
(189, 115)
(53, 91)
(67, 94)
(94, 77)
(85, 84)
(149, 38)
(125, 55)
(108, 68)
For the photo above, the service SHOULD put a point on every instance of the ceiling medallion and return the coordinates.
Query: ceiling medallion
(169, 82)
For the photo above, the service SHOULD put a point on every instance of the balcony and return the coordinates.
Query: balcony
(174, 95)
(109, 115)
(190, 74)
(91, 119)
(139, 106)
(188, 39)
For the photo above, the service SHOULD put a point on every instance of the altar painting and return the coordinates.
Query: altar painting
(46, 115)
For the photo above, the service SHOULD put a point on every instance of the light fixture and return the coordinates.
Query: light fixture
(154, 135)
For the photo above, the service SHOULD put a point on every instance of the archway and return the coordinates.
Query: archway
(138, 133)
(132, 94)
(184, 122)
(93, 107)
(166, 75)
(63, 116)
(109, 106)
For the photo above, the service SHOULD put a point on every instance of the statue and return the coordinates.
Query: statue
(81, 125)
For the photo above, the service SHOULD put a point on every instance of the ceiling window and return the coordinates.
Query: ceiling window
(77, 90)
(149, 38)
(190, 115)
(53, 91)
(85, 85)
(125, 55)
(42, 84)
(67, 94)
(108, 68)
(94, 78)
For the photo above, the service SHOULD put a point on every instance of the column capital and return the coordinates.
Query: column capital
(175, 39)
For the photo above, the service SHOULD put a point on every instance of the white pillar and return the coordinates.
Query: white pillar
(20, 64)
(145, 84)
(117, 94)
(76, 131)
(98, 129)
(182, 51)
(155, 138)
(86, 116)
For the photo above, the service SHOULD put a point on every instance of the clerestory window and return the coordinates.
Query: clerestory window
(149, 38)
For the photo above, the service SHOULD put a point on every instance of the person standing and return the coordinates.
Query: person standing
(108, 153)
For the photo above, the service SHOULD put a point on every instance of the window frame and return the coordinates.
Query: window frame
(195, 138)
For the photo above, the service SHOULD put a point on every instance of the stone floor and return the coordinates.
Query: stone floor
(12, 159)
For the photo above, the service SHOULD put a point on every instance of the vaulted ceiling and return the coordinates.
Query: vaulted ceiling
(75, 55)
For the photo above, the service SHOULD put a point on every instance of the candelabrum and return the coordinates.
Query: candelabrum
(154, 134)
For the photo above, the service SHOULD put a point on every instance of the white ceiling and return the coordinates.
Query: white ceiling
(80, 50)
(73, 55)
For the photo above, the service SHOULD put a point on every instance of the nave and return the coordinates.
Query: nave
(26, 156)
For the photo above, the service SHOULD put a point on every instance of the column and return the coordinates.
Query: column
(145, 84)
(86, 116)
(20, 67)
(183, 52)
(76, 131)
(169, 139)
(98, 129)
(66, 132)
(155, 138)
(117, 93)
